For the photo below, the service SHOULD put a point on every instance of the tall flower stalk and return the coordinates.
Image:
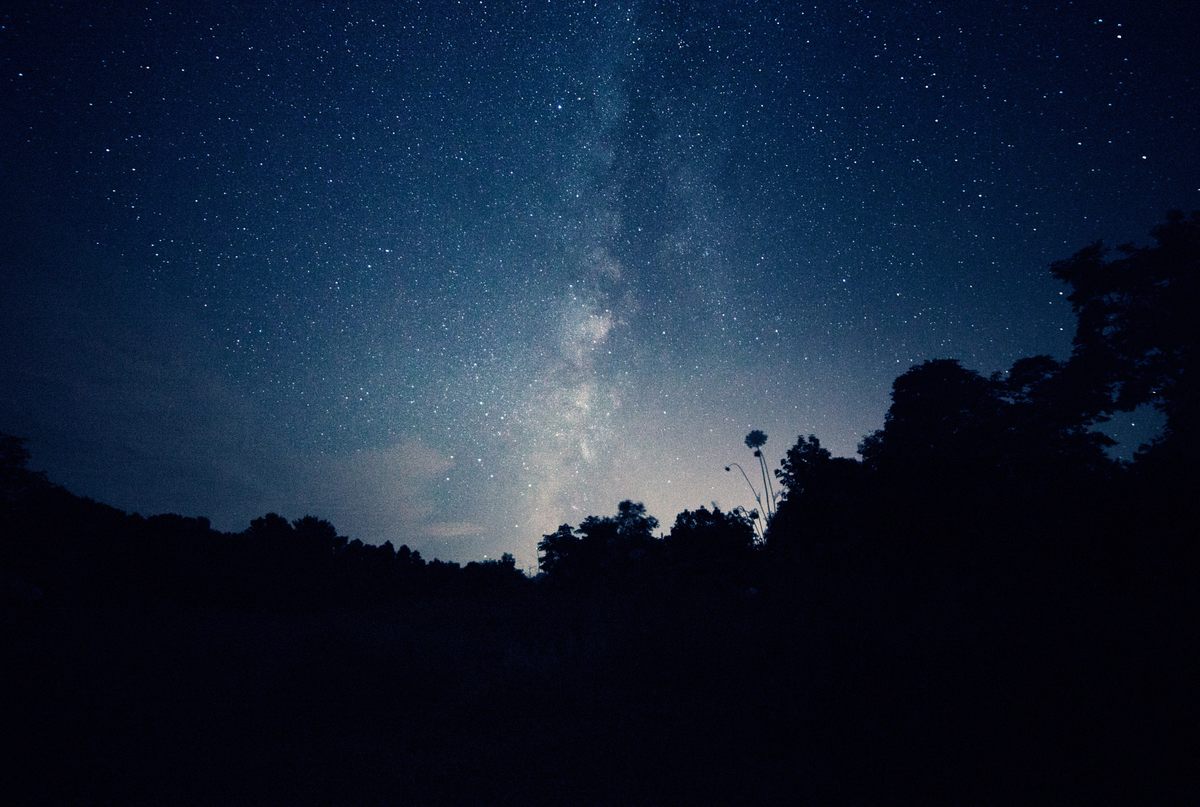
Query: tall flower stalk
(760, 530)
(755, 440)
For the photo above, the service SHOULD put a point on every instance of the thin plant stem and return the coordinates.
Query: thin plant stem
(762, 464)
(770, 486)
(760, 530)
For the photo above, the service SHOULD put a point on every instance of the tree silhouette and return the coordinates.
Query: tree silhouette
(626, 537)
(705, 546)
(820, 499)
(603, 549)
(558, 551)
(1135, 341)
(942, 416)
(802, 466)
(1046, 427)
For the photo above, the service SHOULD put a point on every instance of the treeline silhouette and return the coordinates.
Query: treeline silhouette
(986, 608)
(63, 547)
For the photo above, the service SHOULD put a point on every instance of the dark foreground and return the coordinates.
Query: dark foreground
(638, 700)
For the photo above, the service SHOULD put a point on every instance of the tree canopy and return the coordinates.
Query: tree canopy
(1136, 341)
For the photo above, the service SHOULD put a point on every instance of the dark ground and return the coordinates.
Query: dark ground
(539, 698)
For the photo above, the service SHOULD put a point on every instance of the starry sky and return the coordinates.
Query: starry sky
(453, 273)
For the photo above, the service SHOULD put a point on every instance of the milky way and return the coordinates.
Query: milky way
(451, 274)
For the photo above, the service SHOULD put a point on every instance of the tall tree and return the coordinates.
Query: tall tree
(942, 416)
(557, 551)
(1136, 338)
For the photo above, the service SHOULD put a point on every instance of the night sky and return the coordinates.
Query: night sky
(451, 274)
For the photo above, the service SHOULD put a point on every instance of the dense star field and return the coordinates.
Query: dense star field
(451, 274)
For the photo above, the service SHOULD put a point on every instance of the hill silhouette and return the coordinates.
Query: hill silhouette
(985, 608)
